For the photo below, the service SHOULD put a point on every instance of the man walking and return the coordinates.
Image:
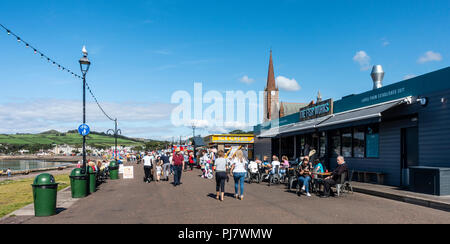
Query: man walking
(178, 165)
(148, 165)
(166, 165)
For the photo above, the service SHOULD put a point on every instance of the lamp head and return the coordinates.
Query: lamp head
(84, 61)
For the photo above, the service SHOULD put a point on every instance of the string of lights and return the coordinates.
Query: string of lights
(52, 61)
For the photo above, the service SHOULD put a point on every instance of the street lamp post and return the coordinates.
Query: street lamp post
(115, 132)
(84, 66)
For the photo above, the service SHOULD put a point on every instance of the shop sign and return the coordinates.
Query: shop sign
(233, 139)
(317, 110)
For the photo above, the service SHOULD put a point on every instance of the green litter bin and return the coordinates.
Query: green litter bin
(114, 170)
(44, 195)
(92, 179)
(78, 184)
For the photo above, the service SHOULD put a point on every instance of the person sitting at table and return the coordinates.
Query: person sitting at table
(335, 176)
(318, 167)
(265, 166)
(275, 163)
(305, 175)
(284, 165)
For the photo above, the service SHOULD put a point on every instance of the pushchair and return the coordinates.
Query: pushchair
(207, 172)
(253, 175)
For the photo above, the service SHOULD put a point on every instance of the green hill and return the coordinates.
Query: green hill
(69, 138)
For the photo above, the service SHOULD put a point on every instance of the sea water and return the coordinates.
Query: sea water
(17, 165)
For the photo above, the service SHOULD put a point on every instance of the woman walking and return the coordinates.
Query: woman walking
(221, 175)
(238, 172)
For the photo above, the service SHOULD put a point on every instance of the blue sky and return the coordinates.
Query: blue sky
(143, 51)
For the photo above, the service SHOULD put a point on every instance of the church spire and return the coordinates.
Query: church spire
(319, 97)
(271, 77)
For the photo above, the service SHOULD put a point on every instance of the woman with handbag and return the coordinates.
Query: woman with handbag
(238, 171)
(221, 168)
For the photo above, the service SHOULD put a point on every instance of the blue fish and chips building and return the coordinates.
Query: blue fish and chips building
(400, 131)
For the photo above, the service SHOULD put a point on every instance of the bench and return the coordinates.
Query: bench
(364, 176)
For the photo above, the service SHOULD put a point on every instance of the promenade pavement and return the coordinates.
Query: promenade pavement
(135, 202)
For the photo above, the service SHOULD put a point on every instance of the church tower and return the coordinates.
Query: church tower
(271, 99)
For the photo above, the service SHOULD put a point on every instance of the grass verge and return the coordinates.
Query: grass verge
(16, 194)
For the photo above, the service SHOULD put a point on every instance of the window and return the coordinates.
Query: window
(335, 143)
(358, 142)
(347, 142)
(300, 145)
(275, 147)
(372, 141)
(322, 145)
(287, 146)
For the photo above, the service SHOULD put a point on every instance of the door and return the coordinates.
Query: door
(409, 152)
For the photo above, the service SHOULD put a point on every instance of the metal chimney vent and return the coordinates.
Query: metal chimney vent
(377, 76)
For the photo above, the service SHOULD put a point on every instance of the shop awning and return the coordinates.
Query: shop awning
(303, 126)
(273, 132)
(362, 114)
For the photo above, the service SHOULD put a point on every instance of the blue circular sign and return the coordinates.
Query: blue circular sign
(84, 130)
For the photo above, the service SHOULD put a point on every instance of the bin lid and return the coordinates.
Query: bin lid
(44, 179)
(113, 164)
(76, 172)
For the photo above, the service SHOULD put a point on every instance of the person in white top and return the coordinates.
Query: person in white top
(239, 172)
(148, 166)
(275, 163)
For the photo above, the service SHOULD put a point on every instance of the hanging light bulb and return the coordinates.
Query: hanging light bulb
(35, 51)
(18, 39)
(27, 45)
(9, 32)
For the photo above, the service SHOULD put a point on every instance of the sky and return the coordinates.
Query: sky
(144, 51)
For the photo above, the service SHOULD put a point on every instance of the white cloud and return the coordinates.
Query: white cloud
(287, 84)
(385, 42)
(39, 115)
(429, 57)
(246, 79)
(407, 77)
(230, 126)
(363, 60)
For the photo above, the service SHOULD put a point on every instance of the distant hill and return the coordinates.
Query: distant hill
(50, 132)
(70, 138)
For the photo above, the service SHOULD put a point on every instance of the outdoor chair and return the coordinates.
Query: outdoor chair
(292, 177)
(263, 174)
(345, 183)
(274, 177)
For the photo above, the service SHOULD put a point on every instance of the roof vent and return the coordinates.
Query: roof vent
(377, 76)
